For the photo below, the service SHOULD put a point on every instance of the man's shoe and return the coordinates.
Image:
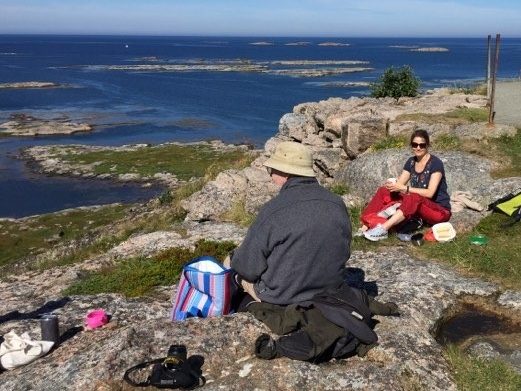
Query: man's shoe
(375, 234)
(265, 347)
(385, 309)
(362, 349)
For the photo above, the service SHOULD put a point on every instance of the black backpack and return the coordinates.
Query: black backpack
(348, 308)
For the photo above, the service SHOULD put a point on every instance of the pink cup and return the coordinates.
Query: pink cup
(96, 318)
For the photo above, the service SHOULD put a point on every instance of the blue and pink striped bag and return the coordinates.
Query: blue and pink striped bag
(204, 290)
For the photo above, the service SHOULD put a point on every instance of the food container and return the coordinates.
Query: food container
(443, 232)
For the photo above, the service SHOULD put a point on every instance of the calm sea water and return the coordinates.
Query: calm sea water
(153, 107)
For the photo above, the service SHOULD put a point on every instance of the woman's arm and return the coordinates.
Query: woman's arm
(401, 182)
(434, 182)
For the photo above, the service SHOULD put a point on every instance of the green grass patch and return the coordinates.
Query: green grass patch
(471, 373)
(459, 116)
(119, 232)
(510, 148)
(238, 214)
(469, 114)
(447, 142)
(29, 237)
(339, 189)
(139, 276)
(497, 260)
(390, 142)
(184, 161)
(474, 89)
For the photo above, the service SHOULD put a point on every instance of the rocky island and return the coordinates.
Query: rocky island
(164, 163)
(314, 68)
(429, 49)
(261, 43)
(349, 138)
(333, 44)
(300, 43)
(29, 85)
(24, 125)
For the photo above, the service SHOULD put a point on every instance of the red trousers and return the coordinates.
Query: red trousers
(411, 205)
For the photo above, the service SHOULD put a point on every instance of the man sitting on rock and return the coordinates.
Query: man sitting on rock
(300, 241)
(292, 264)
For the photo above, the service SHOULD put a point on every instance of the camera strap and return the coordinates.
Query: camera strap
(146, 383)
(200, 380)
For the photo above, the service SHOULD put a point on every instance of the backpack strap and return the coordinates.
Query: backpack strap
(516, 218)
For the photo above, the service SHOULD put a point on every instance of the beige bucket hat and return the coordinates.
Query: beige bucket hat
(292, 158)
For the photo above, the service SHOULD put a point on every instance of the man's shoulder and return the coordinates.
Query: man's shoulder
(298, 197)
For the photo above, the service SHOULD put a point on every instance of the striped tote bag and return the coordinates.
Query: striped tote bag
(204, 290)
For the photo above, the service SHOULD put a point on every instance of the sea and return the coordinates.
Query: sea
(193, 101)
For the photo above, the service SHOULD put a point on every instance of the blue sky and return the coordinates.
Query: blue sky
(341, 18)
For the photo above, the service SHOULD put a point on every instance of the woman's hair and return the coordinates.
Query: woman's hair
(420, 133)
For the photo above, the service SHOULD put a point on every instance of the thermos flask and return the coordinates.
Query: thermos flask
(50, 328)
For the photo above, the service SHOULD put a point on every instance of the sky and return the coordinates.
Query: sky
(334, 18)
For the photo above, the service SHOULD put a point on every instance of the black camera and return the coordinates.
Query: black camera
(174, 371)
(176, 357)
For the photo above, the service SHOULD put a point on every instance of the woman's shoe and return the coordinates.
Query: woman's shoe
(375, 234)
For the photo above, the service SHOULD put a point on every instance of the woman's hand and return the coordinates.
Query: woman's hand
(395, 187)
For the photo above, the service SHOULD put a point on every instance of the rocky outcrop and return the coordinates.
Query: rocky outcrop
(341, 132)
(27, 126)
(464, 172)
(408, 356)
(251, 186)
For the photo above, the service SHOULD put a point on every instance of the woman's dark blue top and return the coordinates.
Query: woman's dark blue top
(421, 179)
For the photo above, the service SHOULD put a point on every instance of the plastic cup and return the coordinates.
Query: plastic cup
(391, 180)
(479, 240)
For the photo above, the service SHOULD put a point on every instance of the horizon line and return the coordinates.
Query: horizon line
(256, 36)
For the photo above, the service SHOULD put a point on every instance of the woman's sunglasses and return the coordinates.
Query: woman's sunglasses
(419, 145)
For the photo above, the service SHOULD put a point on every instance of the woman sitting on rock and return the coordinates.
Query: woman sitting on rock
(420, 191)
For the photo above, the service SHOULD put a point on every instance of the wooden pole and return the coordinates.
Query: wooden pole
(491, 112)
(489, 59)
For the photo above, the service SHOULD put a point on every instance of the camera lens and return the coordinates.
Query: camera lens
(176, 357)
(177, 351)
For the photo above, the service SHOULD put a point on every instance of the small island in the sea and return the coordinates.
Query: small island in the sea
(302, 43)
(30, 84)
(333, 44)
(24, 125)
(261, 43)
(429, 49)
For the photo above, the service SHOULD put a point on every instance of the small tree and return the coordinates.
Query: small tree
(396, 83)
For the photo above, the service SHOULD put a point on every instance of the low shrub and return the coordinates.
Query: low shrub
(396, 83)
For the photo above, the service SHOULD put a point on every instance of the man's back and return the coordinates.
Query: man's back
(298, 245)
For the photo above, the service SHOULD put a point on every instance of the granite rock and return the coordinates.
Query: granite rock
(408, 355)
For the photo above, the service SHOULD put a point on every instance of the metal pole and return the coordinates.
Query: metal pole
(491, 112)
(489, 59)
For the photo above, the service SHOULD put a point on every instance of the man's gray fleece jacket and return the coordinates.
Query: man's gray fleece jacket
(298, 245)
